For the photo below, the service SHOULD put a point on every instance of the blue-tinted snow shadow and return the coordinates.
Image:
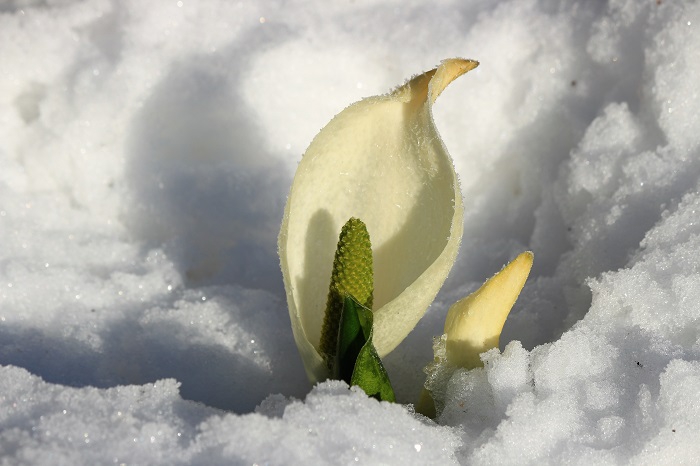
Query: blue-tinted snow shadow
(205, 188)
(202, 183)
(134, 352)
(201, 186)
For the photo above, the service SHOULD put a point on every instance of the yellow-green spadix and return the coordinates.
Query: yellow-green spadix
(380, 160)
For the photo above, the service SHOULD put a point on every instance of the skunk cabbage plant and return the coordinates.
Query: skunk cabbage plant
(380, 160)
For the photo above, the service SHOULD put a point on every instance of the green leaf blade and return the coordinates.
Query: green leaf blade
(351, 339)
(358, 361)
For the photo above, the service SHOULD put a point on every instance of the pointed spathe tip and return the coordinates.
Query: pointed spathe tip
(448, 71)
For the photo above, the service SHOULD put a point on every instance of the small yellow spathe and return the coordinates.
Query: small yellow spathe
(474, 324)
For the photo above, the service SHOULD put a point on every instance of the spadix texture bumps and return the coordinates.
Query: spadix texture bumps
(351, 276)
(380, 160)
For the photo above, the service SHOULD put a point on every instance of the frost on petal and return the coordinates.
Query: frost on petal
(380, 160)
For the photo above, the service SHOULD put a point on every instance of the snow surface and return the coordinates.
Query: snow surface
(146, 149)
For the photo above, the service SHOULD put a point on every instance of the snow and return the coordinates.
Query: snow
(146, 149)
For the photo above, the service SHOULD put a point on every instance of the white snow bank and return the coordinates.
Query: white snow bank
(151, 424)
(146, 149)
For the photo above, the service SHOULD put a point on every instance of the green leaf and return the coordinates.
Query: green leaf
(357, 360)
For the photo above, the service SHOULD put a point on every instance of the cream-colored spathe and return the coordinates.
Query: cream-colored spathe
(380, 160)
(474, 324)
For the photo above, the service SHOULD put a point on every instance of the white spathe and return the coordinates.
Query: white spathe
(380, 160)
